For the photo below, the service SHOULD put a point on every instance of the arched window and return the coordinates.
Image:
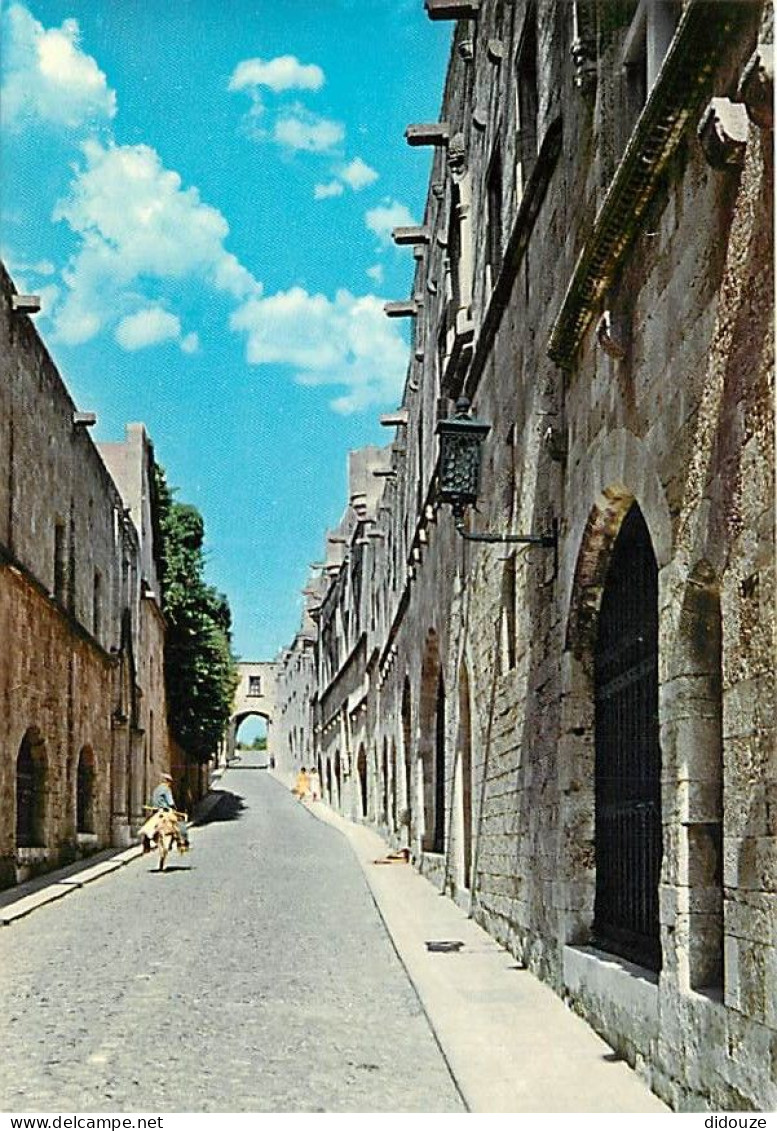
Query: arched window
(628, 756)
(85, 792)
(31, 792)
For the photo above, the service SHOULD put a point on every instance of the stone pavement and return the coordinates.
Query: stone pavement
(510, 1042)
(254, 975)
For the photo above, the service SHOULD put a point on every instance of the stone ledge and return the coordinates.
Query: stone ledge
(593, 974)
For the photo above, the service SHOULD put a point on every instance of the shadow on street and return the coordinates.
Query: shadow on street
(229, 807)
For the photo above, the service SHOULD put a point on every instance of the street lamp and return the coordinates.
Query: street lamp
(461, 442)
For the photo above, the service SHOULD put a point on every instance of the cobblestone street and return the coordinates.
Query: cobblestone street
(254, 975)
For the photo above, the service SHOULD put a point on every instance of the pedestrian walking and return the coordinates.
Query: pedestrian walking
(314, 782)
(162, 801)
(301, 785)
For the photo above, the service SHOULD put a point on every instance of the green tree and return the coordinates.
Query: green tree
(200, 670)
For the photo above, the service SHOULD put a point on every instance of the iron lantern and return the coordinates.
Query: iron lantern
(461, 441)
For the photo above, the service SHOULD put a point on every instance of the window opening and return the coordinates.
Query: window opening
(628, 843)
(526, 109)
(494, 225)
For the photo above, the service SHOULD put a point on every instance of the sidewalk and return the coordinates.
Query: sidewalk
(510, 1042)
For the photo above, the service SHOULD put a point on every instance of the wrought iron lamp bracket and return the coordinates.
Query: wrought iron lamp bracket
(547, 541)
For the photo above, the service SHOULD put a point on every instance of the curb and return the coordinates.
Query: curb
(487, 1057)
(327, 816)
(59, 888)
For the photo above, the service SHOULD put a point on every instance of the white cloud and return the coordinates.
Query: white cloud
(297, 129)
(346, 342)
(148, 328)
(375, 272)
(191, 343)
(283, 73)
(385, 217)
(48, 76)
(358, 174)
(41, 267)
(136, 221)
(322, 192)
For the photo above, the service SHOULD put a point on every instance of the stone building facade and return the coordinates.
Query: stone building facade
(578, 744)
(131, 464)
(81, 667)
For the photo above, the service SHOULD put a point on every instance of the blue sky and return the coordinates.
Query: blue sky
(203, 193)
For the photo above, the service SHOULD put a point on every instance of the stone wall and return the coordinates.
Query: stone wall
(81, 675)
(595, 273)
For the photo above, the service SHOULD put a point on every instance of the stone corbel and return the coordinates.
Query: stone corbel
(457, 157)
(555, 440)
(495, 50)
(723, 132)
(612, 345)
(756, 87)
(583, 49)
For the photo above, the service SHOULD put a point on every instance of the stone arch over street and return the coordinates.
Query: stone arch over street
(254, 695)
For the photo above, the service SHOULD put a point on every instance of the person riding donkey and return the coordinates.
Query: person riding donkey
(163, 802)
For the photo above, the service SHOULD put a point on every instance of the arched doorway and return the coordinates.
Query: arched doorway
(627, 801)
(361, 773)
(384, 783)
(432, 747)
(338, 780)
(393, 785)
(85, 783)
(438, 843)
(31, 791)
(407, 759)
(465, 761)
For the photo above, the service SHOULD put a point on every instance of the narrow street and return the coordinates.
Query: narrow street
(254, 975)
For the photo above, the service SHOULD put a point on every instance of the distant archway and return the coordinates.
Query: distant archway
(254, 697)
(251, 731)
